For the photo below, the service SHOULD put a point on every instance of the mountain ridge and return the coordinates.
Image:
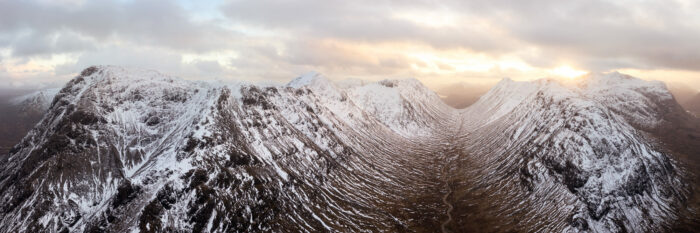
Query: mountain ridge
(134, 150)
(589, 141)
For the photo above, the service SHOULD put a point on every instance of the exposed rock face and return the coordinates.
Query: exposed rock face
(130, 150)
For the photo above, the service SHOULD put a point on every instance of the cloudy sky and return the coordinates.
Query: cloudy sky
(46, 42)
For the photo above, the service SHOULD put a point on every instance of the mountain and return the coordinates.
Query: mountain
(591, 153)
(35, 102)
(19, 113)
(126, 150)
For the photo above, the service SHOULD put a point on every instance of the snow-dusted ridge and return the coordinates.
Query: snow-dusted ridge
(585, 142)
(127, 150)
(37, 101)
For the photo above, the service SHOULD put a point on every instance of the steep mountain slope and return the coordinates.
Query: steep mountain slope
(573, 156)
(205, 157)
(124, 150)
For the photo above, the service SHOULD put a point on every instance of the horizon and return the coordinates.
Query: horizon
(459, 95)
(269, 41)
(438, 89)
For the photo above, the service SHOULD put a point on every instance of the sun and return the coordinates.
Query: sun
(567, 72)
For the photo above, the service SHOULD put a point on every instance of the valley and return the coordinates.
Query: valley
(128, 150)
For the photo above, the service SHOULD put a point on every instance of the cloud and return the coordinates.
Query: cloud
(369, 21)
(650, 34)
(156, 23)
(32, 44)
(600, 35)
(210, 67)
(146, 58)
(275, 40)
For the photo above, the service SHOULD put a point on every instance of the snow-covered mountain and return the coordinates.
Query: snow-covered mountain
(38, 101)
(588, 146)
(19, 114)
(124, 150)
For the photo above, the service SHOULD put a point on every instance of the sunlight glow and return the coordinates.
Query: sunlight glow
(567, 72)
(429, 19)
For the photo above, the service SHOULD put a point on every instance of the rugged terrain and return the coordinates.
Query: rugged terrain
(131, 150)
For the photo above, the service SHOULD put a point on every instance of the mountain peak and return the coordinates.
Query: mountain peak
(638, 99)
(619, 80)
(308, 79)
(128, 149)
(506, 80)
(42, 97)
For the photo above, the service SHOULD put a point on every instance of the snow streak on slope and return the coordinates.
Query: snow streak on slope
(123, 150)
(103, 130)
(406, 106)
(197, 156)
(575, 142)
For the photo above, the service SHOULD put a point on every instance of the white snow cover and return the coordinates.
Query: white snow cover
(582, 133)
(617, 91)
(399, 104)
(566, 140)
(41, 100)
